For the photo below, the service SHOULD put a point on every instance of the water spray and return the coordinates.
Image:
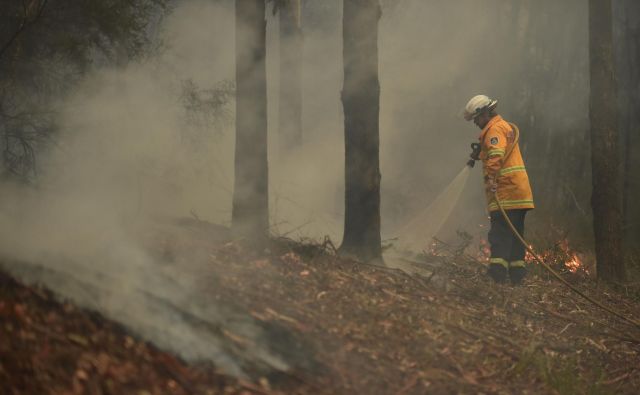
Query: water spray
(475, 155)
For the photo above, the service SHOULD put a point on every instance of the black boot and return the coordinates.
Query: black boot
(517, 272)
(497, 272)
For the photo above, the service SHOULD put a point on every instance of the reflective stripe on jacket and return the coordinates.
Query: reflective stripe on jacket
(514, 190)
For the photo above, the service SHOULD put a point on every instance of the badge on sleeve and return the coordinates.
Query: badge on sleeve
(494, 140)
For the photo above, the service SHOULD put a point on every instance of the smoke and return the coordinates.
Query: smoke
(434, 56)
(128, 156)
(128, 159)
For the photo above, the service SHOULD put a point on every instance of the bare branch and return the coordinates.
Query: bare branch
(23, 24)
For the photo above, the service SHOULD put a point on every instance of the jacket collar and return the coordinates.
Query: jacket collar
(488, 126)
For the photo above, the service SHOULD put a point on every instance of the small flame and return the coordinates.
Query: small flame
(560, 254)
(432, 249)
(572, 262)
(484, 251)
(528, 257)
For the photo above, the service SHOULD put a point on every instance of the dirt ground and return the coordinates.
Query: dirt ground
(371, 330)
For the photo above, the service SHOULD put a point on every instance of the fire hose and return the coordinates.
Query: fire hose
(556, 275)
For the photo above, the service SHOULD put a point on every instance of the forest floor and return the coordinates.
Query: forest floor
(372, 330)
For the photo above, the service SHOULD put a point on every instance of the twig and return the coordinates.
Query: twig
(486, 340)
(397, 271)
(23, 25)
(565, 328)
(616, 313)
(297, 228)
(622, 336)
(615, 380)
(575, 201)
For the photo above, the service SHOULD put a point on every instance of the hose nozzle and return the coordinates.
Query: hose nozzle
(475, 154)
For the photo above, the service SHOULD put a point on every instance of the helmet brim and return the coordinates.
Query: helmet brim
(469, 116)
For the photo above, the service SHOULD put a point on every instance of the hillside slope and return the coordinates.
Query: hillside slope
(366, 329)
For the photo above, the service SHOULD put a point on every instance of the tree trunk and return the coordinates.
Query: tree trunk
(250, 213)
(361, 103)
(605, 199)
(290, 100)
(627, 44)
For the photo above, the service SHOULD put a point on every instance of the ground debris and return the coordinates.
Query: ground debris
(77, 352)
(374, 330)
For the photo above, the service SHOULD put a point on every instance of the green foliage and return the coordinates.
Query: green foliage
(45, 46)
(75, 29)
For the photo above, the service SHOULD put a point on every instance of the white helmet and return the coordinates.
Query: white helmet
(477, 104)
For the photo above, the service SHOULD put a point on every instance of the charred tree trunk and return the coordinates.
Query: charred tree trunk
(361, 103)
(605, 199)
(627, 44)
(250, 213)
(290, 100)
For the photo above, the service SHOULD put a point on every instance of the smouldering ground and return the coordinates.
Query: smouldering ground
(47, 347)
(372, 330)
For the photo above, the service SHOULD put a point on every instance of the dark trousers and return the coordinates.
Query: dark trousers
(504, 244)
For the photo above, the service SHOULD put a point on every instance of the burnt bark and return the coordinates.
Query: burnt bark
(250, 213)
(627, 45)
(361, 104)
(606, 200)
(290, 98)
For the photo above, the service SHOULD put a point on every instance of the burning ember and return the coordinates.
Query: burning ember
(433, 248)
(560, 255)
(572, 261)
(485, 252)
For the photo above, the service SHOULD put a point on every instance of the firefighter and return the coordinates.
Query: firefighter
(508, 176)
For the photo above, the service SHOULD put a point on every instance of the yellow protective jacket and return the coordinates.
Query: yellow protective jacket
(511, 176)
